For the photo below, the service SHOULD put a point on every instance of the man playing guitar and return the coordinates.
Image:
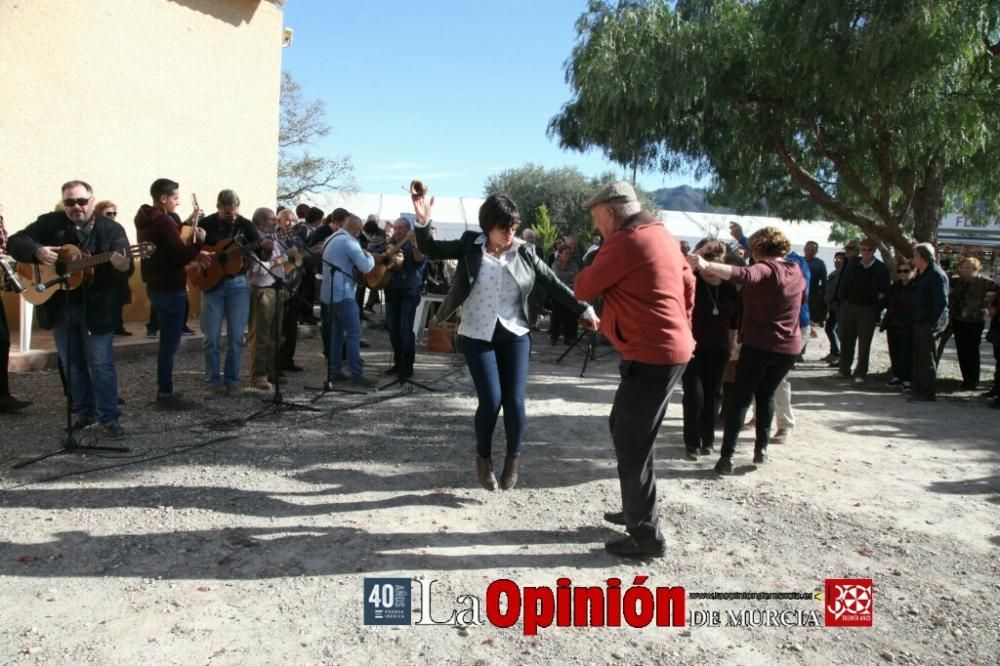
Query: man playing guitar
(83, 320)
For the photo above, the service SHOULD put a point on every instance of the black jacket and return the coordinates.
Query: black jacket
(880, 282)
(526, 271)
(101, 295)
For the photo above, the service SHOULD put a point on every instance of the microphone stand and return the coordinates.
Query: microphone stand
(69, 443)
(277, 402)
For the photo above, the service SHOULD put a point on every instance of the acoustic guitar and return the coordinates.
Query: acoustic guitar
(392, 260)
(73, 268)
(228, 259)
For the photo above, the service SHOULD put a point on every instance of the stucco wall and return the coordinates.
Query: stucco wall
(121, 92)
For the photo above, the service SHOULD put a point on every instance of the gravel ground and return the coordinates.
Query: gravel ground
(233, 535)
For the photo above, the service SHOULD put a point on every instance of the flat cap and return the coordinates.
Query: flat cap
(617, 192)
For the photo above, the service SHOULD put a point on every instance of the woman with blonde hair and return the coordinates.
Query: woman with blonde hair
(109, 210)
(773, 293)
(967, 305)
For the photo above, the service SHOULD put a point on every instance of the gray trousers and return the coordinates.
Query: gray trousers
(640, 403)
(857, 326)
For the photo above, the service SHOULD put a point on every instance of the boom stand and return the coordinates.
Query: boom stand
(69, 444)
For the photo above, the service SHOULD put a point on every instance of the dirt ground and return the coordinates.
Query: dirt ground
(231, 536)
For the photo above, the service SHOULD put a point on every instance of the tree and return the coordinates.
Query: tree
(299, 170)
(880, 113)
(562, 190)
(545, 231)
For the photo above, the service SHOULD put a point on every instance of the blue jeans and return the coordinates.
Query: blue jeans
(170, 308)
(499, 369)
(231, 299)
(345, 322)
(89, 364)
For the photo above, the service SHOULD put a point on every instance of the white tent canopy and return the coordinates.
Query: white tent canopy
(454, 215)
(692, 227)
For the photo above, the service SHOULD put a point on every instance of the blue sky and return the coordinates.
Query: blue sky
(449, 91)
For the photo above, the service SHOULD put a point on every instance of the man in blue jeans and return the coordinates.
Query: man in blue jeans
(341, 255)
(83, 320)
(166, 280)
(402, 297)
(229, 299)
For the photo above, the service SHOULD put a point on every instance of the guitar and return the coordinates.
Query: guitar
(73, 268)
(227, 259)
(188, 227)
(392, 260)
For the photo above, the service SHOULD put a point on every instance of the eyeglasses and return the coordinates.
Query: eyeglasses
(110, 213)
(69, 203)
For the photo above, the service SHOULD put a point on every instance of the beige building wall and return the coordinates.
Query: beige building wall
(121, 92)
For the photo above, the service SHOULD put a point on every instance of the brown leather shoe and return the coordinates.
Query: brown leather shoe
(508, 478)
(484, 469)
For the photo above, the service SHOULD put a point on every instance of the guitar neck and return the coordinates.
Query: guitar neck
(88, 261)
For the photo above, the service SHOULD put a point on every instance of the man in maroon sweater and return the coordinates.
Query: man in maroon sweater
(648, 292)
(166, 280)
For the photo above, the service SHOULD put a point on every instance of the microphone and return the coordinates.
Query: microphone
(51, 283)
(11, 277)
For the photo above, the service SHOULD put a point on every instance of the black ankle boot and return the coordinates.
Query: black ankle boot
(759, 456)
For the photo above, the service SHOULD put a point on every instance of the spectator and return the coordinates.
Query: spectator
(862, 293)
(564, 319)
(830, 297)
(110, 210)
(898, 325)
(817, 284)
(736, 231)
(967, 302)
(930, 315)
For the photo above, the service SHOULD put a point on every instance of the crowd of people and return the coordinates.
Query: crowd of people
(728, 321)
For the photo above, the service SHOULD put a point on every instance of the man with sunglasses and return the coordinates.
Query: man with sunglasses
(229, 299)
(862, 294)
(83, 320)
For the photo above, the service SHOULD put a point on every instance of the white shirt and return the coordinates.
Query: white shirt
(495, 297)
(257, 276)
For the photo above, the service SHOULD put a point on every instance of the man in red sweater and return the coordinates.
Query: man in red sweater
(648, 292)
(166, 279)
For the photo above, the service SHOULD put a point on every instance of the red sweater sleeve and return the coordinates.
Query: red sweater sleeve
(610, 265)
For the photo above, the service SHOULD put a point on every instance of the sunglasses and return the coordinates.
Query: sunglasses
(69, 203)
(110, 213)
(903, 270)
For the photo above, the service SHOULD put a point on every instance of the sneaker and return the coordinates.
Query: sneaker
(11, 405)
(261, 384)
(174, 402)
(187, 331)
(895, 381)
(724, 466)
(152, 334)
(112, 430)
(363, 381)
(80, 423)
(631, 547)
(780, 435)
